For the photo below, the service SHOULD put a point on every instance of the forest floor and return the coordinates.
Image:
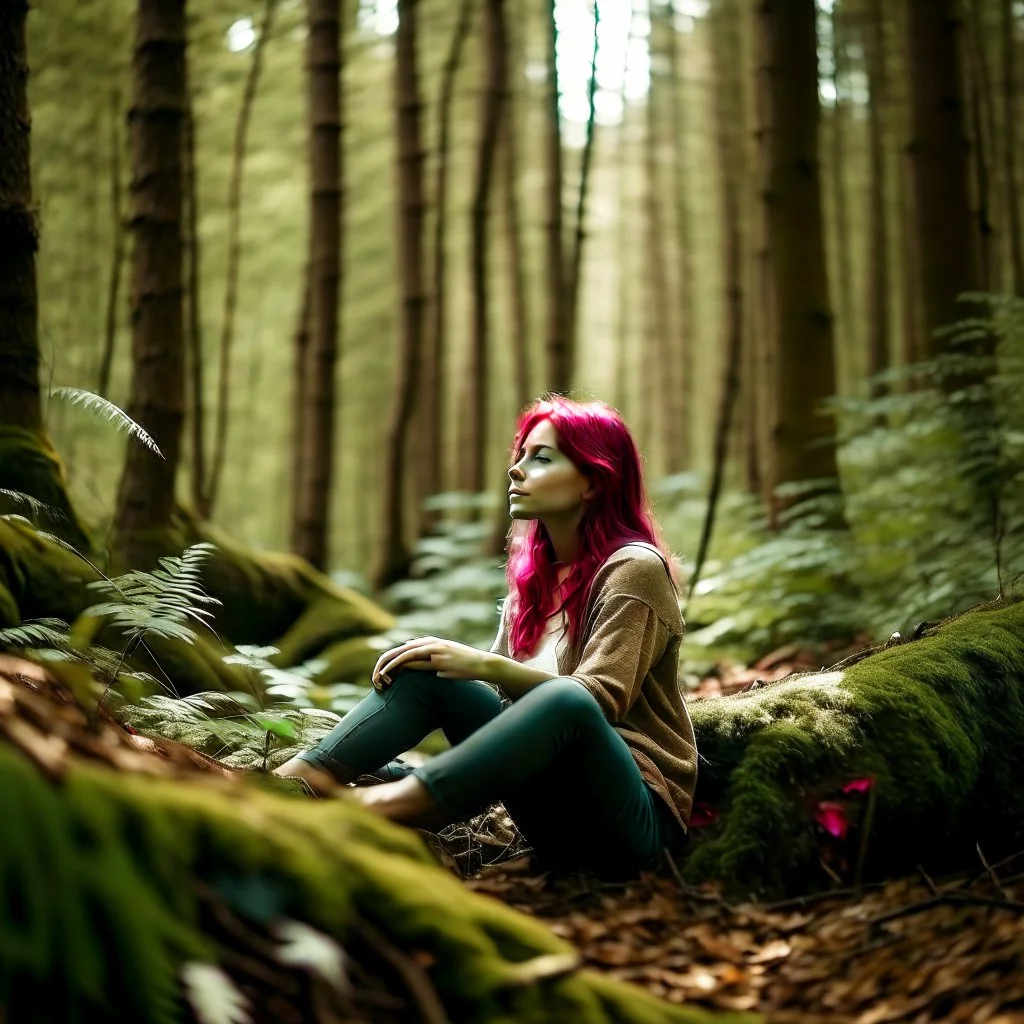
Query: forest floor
(909, 949)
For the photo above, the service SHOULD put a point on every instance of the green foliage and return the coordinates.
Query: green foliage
(104, 409)
(453, 588)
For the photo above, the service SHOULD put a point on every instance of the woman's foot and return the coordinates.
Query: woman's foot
(316, 780)
(407, 802)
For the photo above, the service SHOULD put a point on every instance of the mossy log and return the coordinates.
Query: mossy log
(265, 599)
(935, 728)
(104, 874)
(29, 464)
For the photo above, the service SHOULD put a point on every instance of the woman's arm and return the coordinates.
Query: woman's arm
(515, 679)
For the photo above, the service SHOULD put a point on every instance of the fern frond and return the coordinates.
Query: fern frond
(34, 505)
(37, 633)
(99, 406)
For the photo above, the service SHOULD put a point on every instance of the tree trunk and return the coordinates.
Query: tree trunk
(681, 455)
(432, 433)
(575, 265)
(323, 55)
(559, 354)
(981, 130)
(300, 407)
(844, 332)
(145, 497)
(19, 233)
(1013, 227)
(195, 401)
(478, 375)
(234, 256)
(878, 238)
(117, 259)
(661, 391)
(946, 243)
(394, 556)
(728, 107)
(803, 436)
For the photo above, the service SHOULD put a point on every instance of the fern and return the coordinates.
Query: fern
(105, 409)
(39, 509)
(164, 602)
(47, 633)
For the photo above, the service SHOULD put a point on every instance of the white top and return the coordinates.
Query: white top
(546, 655)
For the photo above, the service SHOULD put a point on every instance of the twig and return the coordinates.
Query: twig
(818, 897)
(688, 890)
(928, 881)
(420, 987)
(991, 873)
(948, 899)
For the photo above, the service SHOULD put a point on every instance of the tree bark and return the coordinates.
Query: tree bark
(478, 376)
(117, 258)
(211, 488)
(805, 372)
(946, 243)
(662, 393)
(435, 358)
(300, 406)
(1009, 104)
(145, 497)
(395, 557)
(323, 55)
(575, 266)
(195, 400)
(982, 120)
(19, 232)
(844, 332)
(681, 455)
(728, 107)
(559, 354)
(878, 233)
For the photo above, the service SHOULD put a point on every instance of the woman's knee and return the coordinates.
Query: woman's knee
(564, 695)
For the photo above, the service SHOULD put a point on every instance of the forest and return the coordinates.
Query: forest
(276, 280)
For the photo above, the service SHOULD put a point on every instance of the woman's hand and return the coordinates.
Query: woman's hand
(450, 660)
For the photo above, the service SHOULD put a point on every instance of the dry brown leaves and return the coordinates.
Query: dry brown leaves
(835, 958)
(39, 716)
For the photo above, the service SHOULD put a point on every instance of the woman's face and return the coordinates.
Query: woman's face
(550, 485)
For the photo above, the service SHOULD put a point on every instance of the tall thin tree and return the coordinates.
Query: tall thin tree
(478, 376)
(559, 355)
(118, 248)
(575, 257)
(877, 268)
(234, 258)
(1007, 26)
(319, 434)
(145, 499)
(804, 445)
(844, 330)
(432, 434)
(395, 556)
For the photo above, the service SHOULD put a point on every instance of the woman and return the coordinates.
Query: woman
(595, 757)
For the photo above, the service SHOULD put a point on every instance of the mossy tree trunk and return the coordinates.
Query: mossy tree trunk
(805, 366)
(318, 433)
(395, 556)
(145, 497)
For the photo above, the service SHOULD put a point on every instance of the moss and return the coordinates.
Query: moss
(326, 623)
(101, 907)
(29, 464)
(349, 661)
(938, 723)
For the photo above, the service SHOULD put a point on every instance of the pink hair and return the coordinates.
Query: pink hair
(594, 436)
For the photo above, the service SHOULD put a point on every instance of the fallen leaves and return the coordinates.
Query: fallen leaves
(959, 958)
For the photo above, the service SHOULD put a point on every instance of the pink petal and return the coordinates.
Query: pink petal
(858, 786)
(702, 815)
(832, 818)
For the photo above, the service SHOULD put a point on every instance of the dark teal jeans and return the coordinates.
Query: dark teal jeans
(564, 774)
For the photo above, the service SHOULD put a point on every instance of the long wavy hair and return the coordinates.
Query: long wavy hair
(594, 436)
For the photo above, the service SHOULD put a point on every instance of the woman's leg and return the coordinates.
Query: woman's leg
(385, 724)
(566, 776)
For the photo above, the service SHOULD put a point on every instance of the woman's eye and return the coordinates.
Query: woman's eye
(541, 458)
